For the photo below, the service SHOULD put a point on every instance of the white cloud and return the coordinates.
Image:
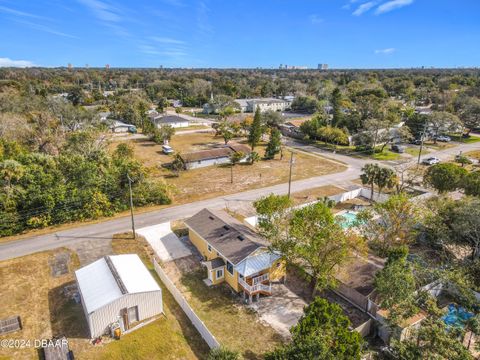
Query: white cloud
(392, 5)
(47, 29)
(11, 11)
(386, 51)
(103, 10)
(166, 40)
(315, 19)
(6, 62)
(364, 8)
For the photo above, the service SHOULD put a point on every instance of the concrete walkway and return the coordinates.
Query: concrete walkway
(166, 245)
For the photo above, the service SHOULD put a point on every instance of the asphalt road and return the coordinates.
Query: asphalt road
(103, 231)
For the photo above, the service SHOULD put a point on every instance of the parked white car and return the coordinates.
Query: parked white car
(431, 161)
(444, 138)
(167, 149)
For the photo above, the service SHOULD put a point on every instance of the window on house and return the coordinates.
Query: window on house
(229, 267)
(219, 273)
(209, 248)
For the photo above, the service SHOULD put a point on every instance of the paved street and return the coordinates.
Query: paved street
(102, 232)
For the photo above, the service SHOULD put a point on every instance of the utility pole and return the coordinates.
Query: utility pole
(421, 141)
(131, 204)
(290, 175)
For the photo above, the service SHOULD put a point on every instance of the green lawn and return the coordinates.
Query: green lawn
(415, 150)
(386, 155)
(232, 323)
(469, 140)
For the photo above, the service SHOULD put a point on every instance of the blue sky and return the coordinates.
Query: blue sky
(240, 33)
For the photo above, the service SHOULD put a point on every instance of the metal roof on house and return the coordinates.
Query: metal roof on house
(223, 152)
(232, 239)
(110, 277)
(256, 263)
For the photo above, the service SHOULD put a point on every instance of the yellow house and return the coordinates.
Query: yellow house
(234, 253)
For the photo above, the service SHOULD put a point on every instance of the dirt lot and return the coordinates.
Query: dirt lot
(214, 181)
(29, 290)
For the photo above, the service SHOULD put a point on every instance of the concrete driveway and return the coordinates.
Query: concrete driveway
(164, 242)
(281, 311)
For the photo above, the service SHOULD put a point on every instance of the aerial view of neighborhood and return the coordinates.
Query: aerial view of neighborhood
(240, 180)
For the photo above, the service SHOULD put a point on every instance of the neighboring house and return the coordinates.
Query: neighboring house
(291, 128)
(172, 120)
(117, 291)
(234, 253)
(118, 126)
(250, 105)
(268, 104)
(215, 156)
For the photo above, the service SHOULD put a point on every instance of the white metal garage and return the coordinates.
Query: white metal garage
(117, 290)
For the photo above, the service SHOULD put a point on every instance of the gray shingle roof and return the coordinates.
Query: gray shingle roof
(168, 119)
(232, 239)
(217, 153)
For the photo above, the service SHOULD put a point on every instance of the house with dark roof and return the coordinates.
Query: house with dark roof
(216, 156)
(234, 253)
(174, 121)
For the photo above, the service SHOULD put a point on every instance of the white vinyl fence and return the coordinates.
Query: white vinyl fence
(199, 325)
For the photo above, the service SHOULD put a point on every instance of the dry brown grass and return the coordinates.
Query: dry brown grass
(232, 323)
(27, 289)
(306, 196)
(215, 181)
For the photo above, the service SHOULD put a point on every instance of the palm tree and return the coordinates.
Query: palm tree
(386, 178)
(369, 176)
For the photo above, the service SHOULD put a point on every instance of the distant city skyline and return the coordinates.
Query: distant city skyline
(240, 34)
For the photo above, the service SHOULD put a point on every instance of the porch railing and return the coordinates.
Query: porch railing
(255, 288)
(260, 279)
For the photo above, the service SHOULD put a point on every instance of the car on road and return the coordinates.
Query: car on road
(430, 161)
(444, 138)
(166, 149)
(398, 148)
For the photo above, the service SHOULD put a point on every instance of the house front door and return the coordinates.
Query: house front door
(210, 277)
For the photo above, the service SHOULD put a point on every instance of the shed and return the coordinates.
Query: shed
(117, 290)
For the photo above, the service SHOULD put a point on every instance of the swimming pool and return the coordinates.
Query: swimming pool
(456, 316)
(348, 219)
